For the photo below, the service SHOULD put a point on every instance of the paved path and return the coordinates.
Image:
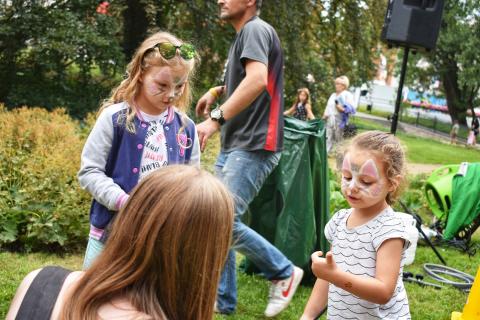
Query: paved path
(412, 129)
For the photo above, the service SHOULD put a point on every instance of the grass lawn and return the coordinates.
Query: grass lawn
(425, 303)
(15, 266)
(427, 151)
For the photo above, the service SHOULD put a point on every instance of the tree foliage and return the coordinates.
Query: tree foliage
(56, 53)
(456, 60)
(323, 38)
(327, 39)
(51, 49)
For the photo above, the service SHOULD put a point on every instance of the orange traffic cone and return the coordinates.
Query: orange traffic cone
(471, 310)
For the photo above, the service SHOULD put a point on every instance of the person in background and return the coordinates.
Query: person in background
(302, 107)
(475, 130)
(162, 260)
(454, 132)
(336, 114)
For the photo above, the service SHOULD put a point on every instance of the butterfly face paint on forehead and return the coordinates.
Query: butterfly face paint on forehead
(370, 169)
(346, 165)
(366, 178)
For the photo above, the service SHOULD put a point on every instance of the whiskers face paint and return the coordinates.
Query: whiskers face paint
(161, 88)
(154, 89)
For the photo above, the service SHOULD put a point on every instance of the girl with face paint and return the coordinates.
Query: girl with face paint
(141, 128)
(360, 277)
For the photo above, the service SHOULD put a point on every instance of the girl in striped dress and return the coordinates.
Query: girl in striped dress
(361, 276)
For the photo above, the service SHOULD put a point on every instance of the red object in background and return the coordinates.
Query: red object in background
(103, 7)
(428, 106)
(424, 105)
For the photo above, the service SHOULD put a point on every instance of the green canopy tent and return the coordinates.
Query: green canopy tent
(292, 208)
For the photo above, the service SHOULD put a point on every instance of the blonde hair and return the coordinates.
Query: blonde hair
(144, 58)
(390, 151)
(344, 81)
(166, 250)
(307, 92)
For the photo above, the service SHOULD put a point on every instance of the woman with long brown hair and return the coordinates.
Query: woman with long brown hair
(162, 260)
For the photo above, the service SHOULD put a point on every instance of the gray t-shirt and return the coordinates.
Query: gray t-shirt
(259, 126)
(355, 251)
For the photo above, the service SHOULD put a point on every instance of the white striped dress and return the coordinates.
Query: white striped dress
(355, 251)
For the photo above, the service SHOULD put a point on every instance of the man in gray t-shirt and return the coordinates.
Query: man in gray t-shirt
(251, 123)
(260, 126)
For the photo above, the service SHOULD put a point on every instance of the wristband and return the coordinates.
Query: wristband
(120, 203)
(213, 92)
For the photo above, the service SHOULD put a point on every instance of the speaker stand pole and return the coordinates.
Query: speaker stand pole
(418, 224)
(393, 128)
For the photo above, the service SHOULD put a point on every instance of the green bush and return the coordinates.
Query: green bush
(337, 200)
(414, 198)
(41, 203)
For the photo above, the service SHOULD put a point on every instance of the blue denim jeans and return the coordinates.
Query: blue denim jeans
(244, 172)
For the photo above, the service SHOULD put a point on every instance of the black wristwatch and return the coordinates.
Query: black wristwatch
(217, 115)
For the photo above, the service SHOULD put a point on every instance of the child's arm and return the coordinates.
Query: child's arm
(92, 176)
(376, 290)
(289, 111)
(310, 115)
(317, 301)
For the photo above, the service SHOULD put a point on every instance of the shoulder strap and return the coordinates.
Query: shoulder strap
(42, 294)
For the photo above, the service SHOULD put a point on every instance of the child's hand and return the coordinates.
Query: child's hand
(323, 268)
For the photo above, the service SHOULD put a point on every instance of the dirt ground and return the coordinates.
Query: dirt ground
(412, 168)
(417, 168)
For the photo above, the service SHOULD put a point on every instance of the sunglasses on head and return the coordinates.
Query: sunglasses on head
(169, 50)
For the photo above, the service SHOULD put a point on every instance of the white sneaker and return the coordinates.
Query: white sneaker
(215, 308)
(282, 291)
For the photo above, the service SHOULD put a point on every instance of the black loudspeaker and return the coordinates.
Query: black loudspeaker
(413, 23)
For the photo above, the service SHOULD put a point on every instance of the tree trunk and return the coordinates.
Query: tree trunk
(135, 27)
(471, 97)
(7, 77)
(392, 56)
(455, 97)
